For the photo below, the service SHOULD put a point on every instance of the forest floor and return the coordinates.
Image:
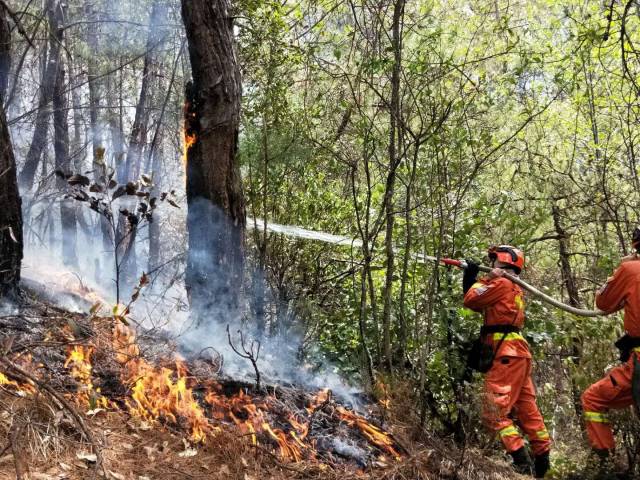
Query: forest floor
(53, 428)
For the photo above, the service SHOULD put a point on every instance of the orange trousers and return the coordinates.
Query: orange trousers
(612, 392)
(509, 391)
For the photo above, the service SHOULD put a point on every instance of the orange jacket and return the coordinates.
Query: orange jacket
(623, 291)
(502, 303)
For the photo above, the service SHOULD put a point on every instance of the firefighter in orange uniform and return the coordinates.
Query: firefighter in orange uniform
(509, 389)
(621, 386)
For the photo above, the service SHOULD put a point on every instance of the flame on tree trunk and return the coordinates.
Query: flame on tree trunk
(216, 215)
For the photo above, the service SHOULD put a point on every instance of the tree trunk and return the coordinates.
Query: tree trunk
(11, 211)
(140, 123)
(39, 141)
(115, 131)
(61, 147)
(394, 161)
(568, 278)
(216, 215)
(97, 139)
(130, 171)
(154, 225)
(403, 314)
(155, 159)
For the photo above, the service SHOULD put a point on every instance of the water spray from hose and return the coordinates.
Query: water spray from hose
(292, 231)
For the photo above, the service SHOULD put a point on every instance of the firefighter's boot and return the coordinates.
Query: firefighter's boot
(522, 461)
(541, 464)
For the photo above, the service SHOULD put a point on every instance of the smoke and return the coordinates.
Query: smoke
(8, 308)
(279, 358)
(163, 306)
(348, 449)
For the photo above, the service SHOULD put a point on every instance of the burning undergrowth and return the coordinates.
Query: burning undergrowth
(99, 366)
(82, 391)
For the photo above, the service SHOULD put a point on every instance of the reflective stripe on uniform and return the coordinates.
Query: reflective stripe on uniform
(509, 431)
(519, 302)
(509, 336)
(480, 288)
(542, 434)
(596, 417)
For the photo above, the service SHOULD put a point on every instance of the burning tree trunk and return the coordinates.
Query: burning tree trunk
(216, 217)
(11, 212)
(61, 147)
(39, 140)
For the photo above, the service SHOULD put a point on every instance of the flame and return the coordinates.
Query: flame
(189, 139)
(158, 393)
(164, 393)
(168, 393)
(21, 389)
(288, 450)
(378, 437)
(321, 397)
(79, 357)
(385, 401)
(188, 133)
(251, 420)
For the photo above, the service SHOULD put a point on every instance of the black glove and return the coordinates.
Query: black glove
(470, 275)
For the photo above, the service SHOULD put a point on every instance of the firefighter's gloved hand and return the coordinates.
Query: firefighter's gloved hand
(470, 275)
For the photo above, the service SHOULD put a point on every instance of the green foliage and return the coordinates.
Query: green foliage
(507, 112)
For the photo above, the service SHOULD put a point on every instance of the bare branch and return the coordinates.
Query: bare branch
(252, 353)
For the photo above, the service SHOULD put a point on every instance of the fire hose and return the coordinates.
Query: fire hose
(541, 295)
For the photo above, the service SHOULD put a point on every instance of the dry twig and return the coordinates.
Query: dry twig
(252, 353)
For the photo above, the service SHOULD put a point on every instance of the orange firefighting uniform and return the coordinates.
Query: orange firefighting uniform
(508, 385)
(614, 390)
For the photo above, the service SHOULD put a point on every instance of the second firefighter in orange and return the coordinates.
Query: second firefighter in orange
(616, 390)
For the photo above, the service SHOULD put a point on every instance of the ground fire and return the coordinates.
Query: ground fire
(107, 371)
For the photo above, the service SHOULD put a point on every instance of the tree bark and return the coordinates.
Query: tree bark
(11, 211)
(61, 148)
(97, 138)
(140, 123)
(39, 141)
(569, 280)
(216, 215)
(403, 314)
(154, 224)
